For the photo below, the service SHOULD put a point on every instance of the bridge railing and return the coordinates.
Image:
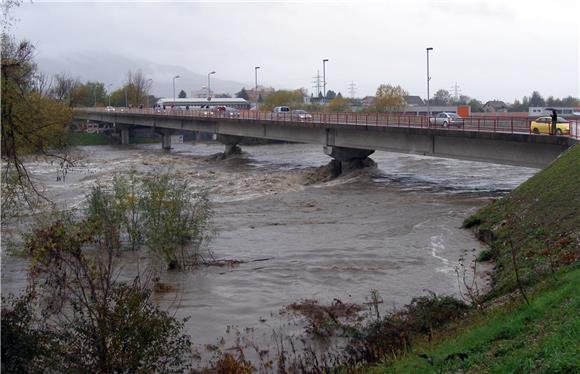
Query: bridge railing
(513, 125)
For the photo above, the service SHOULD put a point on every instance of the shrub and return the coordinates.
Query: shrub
(485, 255)
(426, 313)
(388, 336)
(98, 324)
(23, 343)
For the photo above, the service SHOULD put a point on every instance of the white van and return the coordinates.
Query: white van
(281, 109)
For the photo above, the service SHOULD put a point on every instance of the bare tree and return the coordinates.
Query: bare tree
(63, 87)
(41, 84)
(137, 86)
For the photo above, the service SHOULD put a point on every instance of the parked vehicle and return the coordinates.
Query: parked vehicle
(447, 120)
(543, 125)
(302, 115)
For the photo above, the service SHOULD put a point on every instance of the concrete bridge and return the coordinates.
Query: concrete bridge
(350, 137)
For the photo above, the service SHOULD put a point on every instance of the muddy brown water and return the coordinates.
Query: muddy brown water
(396, 229)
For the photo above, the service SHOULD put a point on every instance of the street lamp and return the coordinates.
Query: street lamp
(208, 85)
(256, 76)
(109, 92)
(174, 78)
(428, 79)
(147, 91)
(324, 79)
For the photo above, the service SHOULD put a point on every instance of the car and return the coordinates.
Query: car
(110, 109)
(302, 115)
(229, 111)
(224, 111)
(281, 109)
(446, 120)
(543, 125)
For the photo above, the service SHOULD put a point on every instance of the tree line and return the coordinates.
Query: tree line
(134, 91)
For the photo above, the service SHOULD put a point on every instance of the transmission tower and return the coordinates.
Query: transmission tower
(456, 91)
(352, 89)
(317, 83)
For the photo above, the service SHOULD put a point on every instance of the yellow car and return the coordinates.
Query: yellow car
(543, 125)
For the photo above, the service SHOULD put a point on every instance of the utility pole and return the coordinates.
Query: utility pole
(256, 76)
(324, 79)
(352, 89)
(428, 79)
(208, 85)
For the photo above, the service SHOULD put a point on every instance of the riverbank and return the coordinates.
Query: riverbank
(529, 320)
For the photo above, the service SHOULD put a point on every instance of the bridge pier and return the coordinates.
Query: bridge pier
(165, 138)
(347, 159)
(125, 131)
(231, 142)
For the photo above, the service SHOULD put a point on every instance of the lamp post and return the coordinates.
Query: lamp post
(208, 85)
(324, 79)
(147, 91)
(109, 92)
(95, 94)
(256, 76)
(174, 78)
(428, 79)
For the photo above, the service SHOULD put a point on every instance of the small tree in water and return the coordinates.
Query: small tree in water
(161, 212)
(176, 221)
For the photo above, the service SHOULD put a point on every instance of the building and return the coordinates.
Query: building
(414, 101)
(422, 109)
(253, 95)
(546, 111)
(194, 102)
(495, 106)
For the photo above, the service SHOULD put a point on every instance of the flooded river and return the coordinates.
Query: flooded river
(396, 229)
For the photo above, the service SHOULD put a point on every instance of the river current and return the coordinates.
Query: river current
(396, 228)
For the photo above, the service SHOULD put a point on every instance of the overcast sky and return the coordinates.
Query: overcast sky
(491, 49)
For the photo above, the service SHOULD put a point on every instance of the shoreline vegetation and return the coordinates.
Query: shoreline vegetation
(83, 139)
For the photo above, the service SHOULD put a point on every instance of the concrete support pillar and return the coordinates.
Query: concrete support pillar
(347, 159)
(166, 141)
(231, 142)
(125, 136)
(165, 137)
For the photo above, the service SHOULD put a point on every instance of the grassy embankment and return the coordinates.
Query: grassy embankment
(538, 225)
(80, 139)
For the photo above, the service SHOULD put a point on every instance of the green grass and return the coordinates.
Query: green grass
(145, 140)
(540, 218)
(79, 139)
(543, 337)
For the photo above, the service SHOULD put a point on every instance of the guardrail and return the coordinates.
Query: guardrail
(510, 125)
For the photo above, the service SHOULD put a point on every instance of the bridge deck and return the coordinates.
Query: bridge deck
(496, 140)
